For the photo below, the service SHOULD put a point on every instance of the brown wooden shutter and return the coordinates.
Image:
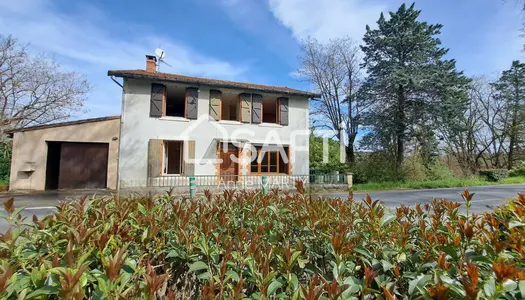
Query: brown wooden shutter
(215, 104)
(246, 107)
(156, 100)
(189, 166)
(154, 159)
(283, 110)
(192, 102)
(256, 109)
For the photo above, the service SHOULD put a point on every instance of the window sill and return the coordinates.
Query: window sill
(170, 175)
(176, 119)
(275, 125)
(230, 122)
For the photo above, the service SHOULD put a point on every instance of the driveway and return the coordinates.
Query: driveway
(485, 198)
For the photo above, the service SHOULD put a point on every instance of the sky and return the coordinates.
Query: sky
(256, 41)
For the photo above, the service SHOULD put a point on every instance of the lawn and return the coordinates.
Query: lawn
(434, 184)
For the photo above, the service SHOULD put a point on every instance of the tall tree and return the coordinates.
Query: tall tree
(34, 89)
(510, 88)
(334, 70)
(408, 78)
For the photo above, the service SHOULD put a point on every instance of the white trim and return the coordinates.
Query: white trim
(229, 122)
(176, 119)
(271, 125)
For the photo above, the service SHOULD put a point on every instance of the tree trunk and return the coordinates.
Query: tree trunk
(400, 128)
(350, 155)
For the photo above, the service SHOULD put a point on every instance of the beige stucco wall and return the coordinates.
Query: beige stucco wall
(31, 147)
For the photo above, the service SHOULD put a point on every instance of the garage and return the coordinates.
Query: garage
(77, 165)
(80, 154)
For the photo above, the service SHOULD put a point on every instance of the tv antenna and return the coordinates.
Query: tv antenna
(160, 58)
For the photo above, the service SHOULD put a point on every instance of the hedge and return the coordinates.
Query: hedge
(243, 244)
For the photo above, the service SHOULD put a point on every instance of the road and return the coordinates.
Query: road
(485, 198)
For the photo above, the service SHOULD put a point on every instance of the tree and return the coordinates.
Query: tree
(408, 80)
(335, 72)
(317, 152)
(34, 89)
(510, 88)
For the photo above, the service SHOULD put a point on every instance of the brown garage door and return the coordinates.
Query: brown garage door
(83, 165)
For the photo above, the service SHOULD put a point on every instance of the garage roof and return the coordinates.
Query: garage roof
(77, 122)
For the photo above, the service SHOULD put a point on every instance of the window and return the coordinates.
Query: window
(270, 161)
(269, 110)
(230, 107)
(172, 163)
(175, 101)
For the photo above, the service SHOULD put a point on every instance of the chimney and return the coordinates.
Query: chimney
(151, 63)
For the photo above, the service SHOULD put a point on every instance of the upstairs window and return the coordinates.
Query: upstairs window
(230, 107)
(175, 101)
(269, 110)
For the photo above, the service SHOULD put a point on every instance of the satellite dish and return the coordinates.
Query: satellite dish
(160, 53)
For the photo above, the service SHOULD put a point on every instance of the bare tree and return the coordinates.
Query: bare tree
(478, 139)
(334, 69)
(34, 89)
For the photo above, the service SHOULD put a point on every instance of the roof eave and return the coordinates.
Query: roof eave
(232, 86)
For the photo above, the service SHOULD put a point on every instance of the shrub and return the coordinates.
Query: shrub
(495, 174)
(245, 244)
(518, 171)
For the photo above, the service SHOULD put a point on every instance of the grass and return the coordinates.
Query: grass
(434, 184)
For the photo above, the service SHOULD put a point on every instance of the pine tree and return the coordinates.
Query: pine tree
(408, 78)
(510, 88)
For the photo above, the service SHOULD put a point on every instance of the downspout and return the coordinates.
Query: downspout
(119, 134)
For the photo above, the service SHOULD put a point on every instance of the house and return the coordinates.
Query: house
(175, 126)
(172, 127)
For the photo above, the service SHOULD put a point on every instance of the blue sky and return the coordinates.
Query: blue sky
(246, 40)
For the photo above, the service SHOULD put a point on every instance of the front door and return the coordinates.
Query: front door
(229, 168)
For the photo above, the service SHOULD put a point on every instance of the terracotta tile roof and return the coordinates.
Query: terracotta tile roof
(77, 122)
(141, 74)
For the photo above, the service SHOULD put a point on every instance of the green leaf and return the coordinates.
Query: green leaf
(513, 224)
(233, 275)
(419, 282)
(198, 265)
(47, 290)
(272, 288)
(387, 219)
(172, 253)
(509, 285)
(490, 287)
(522, 288)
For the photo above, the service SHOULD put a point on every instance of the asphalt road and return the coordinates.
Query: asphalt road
(485, 198)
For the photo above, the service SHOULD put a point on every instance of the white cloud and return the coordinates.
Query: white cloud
(326, 19)
(90, 42)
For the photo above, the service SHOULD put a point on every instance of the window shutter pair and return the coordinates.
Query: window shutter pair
(158, 96)
(155, 161)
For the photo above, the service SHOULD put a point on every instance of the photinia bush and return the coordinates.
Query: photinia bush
(243, 244)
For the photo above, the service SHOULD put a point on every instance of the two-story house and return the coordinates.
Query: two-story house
(175, 126)
(171, 128)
